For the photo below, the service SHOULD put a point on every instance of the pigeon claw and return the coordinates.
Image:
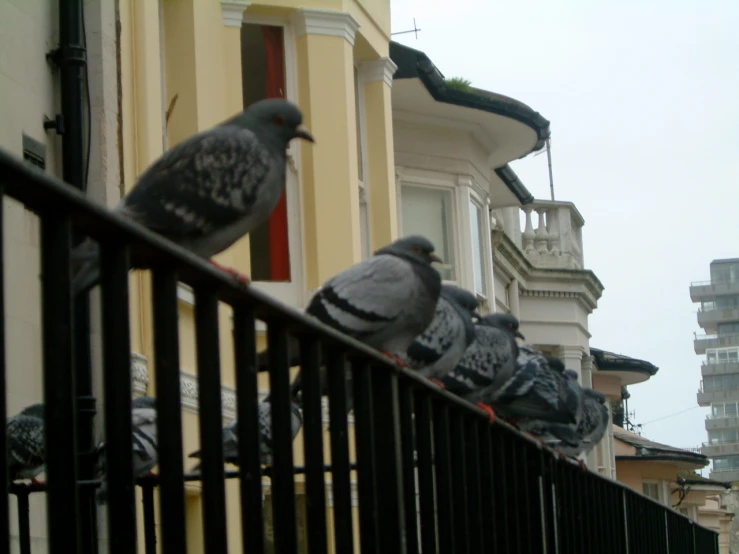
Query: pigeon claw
(438, 383)
(397, 359)
(240, 277)
(488, 410)
(35, 481)
(582, 465)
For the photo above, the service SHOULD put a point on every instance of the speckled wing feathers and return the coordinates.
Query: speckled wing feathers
(202, 184)
(25, 444)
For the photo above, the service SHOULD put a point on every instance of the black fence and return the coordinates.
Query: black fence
(432, 474)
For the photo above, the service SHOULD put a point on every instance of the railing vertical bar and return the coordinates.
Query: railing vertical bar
(247, 417)
(427, 504)
(365, 446)
(4, 477)
(407, 445)
(470, 427)
(117, 396)
(283, 481)
(150, 530)
(24, 522)
(523, 470)
(315, 480)
(445, 509)
(211, 420)
(340, 474)
(457, 455)
(59, 386)
(169, 411)
(487, 477)
(386, 412)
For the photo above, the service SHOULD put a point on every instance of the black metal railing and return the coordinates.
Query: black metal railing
(432, 474)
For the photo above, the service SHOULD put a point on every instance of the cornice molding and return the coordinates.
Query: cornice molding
(381, 69)
(325, 22)
(139, 374)
(233, 12)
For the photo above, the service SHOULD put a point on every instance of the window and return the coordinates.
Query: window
(428, 211)
(651, 490)
(726, 463)
(723, 302)
(478, 251)
(723, 436)
(301, 522)
(263, 70)
(725, 272)
(728, 328)
(721, 382)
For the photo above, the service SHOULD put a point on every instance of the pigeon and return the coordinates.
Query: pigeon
(230, 435)
(144, 442)
(438, 349)
(488, 362)
(536, 391)
(593, 424)
(26, 456)
(385, 301)
(211, 189)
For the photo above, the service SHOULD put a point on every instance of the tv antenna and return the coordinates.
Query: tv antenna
(414, 30)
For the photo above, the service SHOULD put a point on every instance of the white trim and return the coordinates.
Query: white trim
(325, 22)
(189, 396)
(381, 69)
(292, 293)
(330, 493)
(233, 12)
(185, 294)
(139, 374)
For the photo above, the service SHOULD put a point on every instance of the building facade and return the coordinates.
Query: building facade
(718, 316)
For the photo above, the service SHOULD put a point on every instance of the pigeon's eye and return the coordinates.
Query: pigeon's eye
(278, 120)
(417, 249)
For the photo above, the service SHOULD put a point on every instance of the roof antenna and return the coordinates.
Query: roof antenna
(549, 162)
(414, 30)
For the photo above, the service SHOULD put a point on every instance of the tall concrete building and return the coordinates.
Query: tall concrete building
(718, 316)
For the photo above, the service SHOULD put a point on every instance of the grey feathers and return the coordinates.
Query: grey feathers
(438, 349)
(488, 362)
(231, 440)
(26, 453)
(385, 301)
(211, 189)
(143, 439)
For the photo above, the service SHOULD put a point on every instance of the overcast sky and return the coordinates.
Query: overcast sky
(643, 99)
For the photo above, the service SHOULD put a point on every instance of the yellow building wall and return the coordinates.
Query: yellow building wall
(186, 50)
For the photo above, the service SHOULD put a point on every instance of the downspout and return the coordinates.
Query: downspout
(71, 57)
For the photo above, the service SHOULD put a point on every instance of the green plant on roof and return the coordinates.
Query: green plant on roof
(459, 83)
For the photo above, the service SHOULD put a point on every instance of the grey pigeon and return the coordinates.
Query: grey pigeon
(536, 391)
(488, 362)
(230, 435)
(385, 301)
(440, 347)
(211, 189)
(593, 424)
(26, 453)
(144, 441)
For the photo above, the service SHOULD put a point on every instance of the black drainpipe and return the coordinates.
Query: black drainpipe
(71, 57)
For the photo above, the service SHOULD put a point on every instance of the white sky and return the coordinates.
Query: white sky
(643, 99)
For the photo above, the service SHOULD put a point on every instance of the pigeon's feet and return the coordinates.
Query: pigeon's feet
(487, 409)
(397, 359)
(240, 277)
(35, 481)
(151, 474)
(582, 465)
(438, 383)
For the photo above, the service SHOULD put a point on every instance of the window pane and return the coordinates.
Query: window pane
(477, 248)
(357, 106)
(711, 356)
(730, 409)
(651, 490)
(428, 212)
(365, 229)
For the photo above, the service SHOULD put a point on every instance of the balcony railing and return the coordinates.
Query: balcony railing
(480, 487)
(709, 282)
(557, 240)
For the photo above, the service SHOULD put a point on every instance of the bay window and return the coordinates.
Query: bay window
(478, 249)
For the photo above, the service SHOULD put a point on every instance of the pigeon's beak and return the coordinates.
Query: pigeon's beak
(519, 335)
(302, 132)
(435, 258)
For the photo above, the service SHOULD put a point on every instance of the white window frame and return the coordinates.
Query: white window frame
(365, 230)
(469, 189)
(660, 489)
(435, 181)
(293, 293)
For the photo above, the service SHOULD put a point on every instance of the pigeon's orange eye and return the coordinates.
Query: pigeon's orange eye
(278, 120)
(417, 249)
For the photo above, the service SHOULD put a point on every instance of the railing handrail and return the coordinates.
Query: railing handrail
(712, 282)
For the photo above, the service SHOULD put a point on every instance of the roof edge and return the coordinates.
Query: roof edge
(516, 186)
(617, 362)
(415, 64)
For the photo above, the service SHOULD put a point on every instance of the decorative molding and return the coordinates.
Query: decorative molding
(139, 374)
(381, 69)
(330, 494)
(233, 12)
(325, 22)
(189, 396)
(185, 294)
